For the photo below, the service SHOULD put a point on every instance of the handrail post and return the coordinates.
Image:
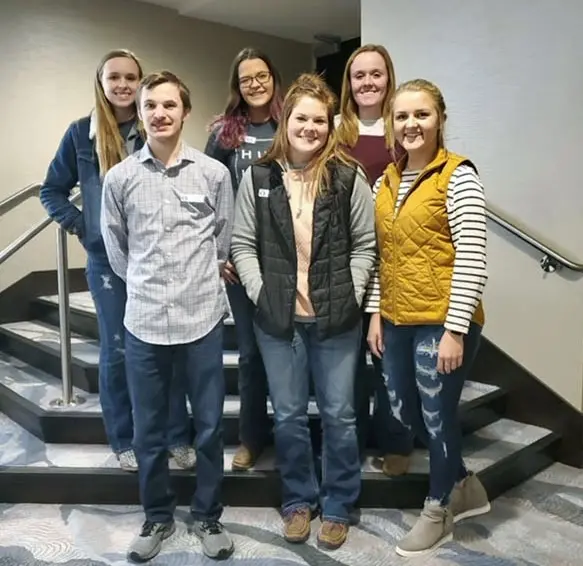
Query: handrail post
(68, 398)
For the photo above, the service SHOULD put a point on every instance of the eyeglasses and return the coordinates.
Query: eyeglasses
(262, 78)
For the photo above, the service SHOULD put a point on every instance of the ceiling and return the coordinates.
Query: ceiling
(300, 20)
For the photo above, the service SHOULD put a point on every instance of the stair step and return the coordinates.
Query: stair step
(503, 454)
(26, 393)
(83, 319)
(39, 343)
(82, 302)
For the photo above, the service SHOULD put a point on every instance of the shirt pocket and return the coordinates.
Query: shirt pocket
(197, 204)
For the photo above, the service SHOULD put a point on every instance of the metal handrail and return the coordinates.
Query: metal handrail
(19, 197)
(22, 240)
(68, 399)
(551, 261)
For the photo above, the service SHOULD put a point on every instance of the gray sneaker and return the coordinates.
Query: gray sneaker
(468, 499)
(433, 528)
(149, 542)
(127, 461)
(184, 456)
(215, 540)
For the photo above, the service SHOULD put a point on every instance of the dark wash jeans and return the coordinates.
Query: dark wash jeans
(390, 436)
(150, 373)
(109, 295)
(427, 401)
(332, 365)
(254, 425)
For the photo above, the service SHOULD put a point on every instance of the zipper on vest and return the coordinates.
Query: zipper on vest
(413, 186)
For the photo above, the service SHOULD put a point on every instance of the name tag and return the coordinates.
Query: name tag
(263, 193)
(250, 139)
(192, 198)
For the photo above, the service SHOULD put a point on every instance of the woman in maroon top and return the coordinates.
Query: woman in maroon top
(364, 128)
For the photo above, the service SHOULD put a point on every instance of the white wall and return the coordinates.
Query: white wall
(512, 75)
(49, 51)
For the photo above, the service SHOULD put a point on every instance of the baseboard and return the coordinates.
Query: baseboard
(530, 401)
(16, 300)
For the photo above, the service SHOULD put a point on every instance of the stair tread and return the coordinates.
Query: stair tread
(84, 350)
(40, 388)
(81, 301)
(482, 449)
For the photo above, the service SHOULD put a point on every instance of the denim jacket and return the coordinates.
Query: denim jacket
(76, 163)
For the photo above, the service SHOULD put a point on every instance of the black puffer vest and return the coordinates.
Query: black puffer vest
(329, 276)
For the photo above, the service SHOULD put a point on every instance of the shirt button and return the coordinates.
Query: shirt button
(167, 228)
(167, 201)
(171, 305)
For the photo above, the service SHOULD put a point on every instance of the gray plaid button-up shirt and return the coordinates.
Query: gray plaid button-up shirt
(166, 232)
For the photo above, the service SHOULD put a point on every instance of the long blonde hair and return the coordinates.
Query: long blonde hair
(313, 86)
(109, 142)
(348, 130)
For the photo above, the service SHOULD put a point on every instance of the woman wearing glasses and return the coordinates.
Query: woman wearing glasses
(240, 136)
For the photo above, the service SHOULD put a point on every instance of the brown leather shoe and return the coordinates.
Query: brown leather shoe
(332, 535)
(244, 459)
(396, 464)
(297, 525)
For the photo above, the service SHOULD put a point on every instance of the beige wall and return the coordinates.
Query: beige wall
(512, 79)
(49, 51)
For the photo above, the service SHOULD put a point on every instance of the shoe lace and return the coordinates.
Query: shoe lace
(212, 527)
(147, 528)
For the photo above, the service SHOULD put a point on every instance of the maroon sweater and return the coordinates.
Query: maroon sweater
(373, 155)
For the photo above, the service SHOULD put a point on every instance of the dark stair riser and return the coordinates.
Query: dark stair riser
(86, 323)
(82, 428)
(84, 376)
(252, 489)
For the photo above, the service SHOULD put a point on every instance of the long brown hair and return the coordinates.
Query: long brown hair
(234, 120)
(110, 144)
(348, 126)
(313, 86)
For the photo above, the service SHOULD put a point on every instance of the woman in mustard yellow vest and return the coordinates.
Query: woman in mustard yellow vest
(431, 233)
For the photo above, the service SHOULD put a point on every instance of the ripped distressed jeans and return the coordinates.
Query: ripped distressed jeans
(109, 295)
(426, 401)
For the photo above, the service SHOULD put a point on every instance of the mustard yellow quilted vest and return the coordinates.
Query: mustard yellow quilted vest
(415, 245)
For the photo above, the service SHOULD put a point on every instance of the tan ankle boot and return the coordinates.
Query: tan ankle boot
(396, 464)
(244, 459)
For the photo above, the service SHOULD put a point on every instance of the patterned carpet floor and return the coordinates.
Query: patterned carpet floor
(540, 523)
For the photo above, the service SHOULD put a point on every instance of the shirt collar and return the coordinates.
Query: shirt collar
(186, 153)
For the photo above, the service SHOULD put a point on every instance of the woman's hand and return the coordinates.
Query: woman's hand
(229, 273)
(451, 352)
(375, 336)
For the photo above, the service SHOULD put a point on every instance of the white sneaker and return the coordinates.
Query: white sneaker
(184, 456)
(127, 461)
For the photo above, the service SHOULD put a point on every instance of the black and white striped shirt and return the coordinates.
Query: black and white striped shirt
(466, 211)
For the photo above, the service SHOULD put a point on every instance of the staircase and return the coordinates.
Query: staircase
(51, 454)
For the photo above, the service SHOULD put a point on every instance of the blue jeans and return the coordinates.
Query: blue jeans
(109, 295)
(150, 373)
(390, 435)
(254, 425)
(427, 401)
(332, 364)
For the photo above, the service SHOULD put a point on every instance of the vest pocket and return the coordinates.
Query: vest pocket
(435, 282)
